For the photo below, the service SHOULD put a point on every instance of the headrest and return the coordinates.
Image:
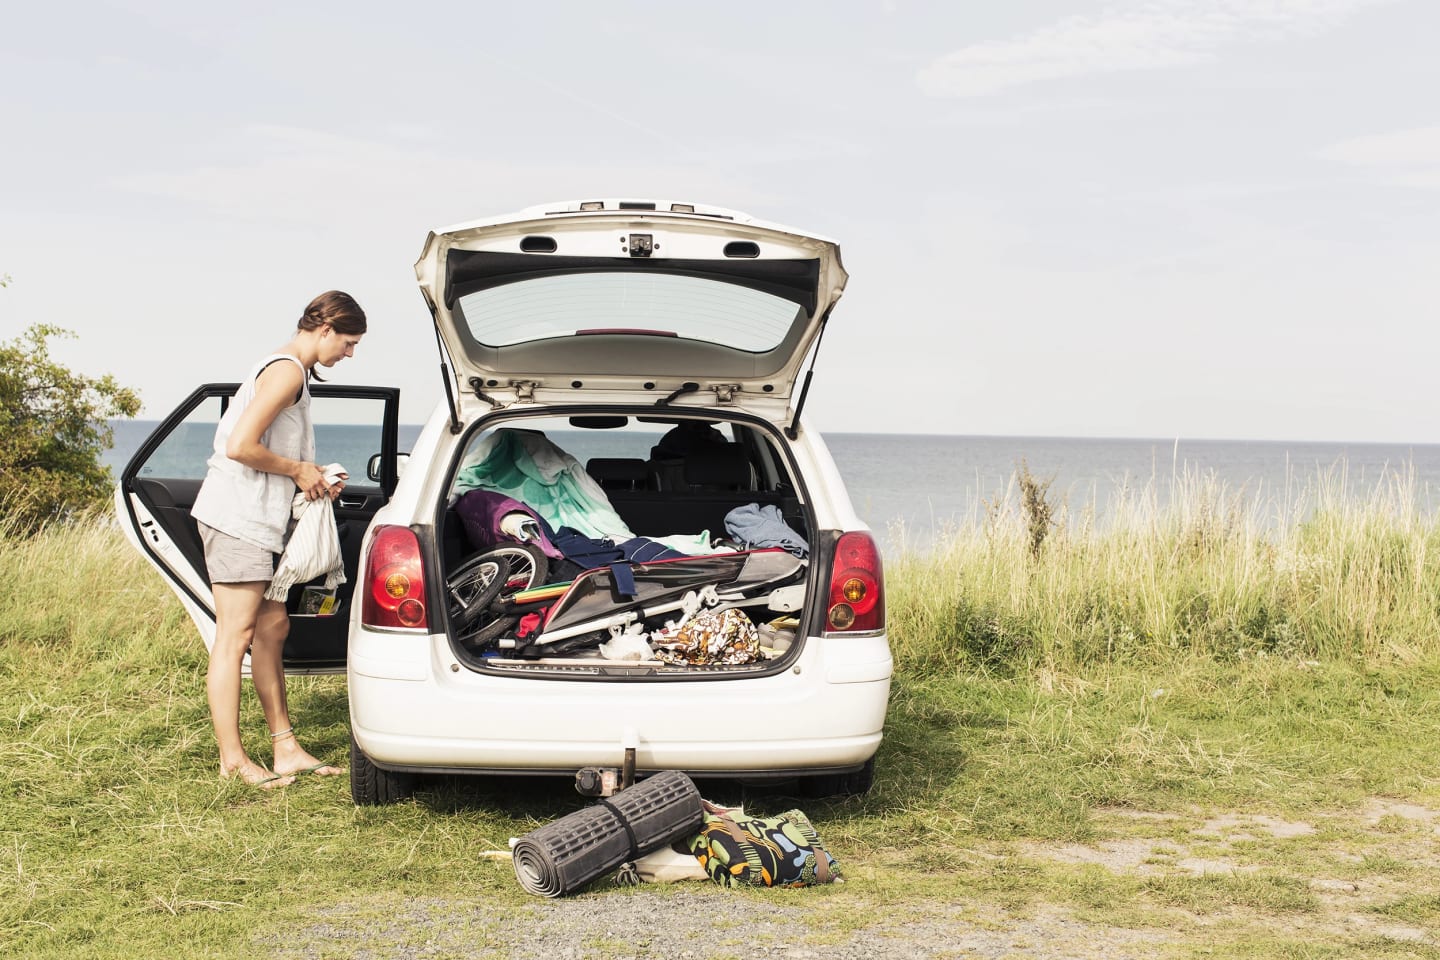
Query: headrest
(722, 466)
(686, 438)
(618, 473)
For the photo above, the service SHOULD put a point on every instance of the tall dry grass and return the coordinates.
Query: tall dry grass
(119, 840)
(80, 591)
(1320, 570)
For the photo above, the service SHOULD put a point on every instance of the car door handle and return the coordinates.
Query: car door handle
(351, 503)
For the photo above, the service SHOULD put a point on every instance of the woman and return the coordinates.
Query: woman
(264, 451)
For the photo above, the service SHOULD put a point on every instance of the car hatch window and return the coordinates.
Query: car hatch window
(662, 304)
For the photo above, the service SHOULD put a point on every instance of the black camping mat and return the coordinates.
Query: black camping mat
(562, 857)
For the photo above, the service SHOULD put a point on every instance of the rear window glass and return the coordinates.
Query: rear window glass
(688, 307)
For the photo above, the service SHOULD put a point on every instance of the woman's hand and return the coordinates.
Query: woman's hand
(310, 480)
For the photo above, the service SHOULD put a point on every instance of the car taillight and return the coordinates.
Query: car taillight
(857, 586)
(394, 581)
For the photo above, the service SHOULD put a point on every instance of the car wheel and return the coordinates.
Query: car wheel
(370, 786)
(855, 783)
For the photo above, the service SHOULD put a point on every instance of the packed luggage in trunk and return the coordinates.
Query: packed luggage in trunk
(674, 545)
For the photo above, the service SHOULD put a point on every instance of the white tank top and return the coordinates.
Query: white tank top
(246, 503)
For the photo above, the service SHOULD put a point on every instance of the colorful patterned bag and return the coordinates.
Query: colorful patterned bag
(712, 636)
(784, 851)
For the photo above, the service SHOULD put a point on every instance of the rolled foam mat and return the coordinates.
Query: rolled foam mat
(562, 857)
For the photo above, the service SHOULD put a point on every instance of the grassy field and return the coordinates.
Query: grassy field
(1205, 730)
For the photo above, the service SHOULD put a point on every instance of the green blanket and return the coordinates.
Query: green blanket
(525, 465)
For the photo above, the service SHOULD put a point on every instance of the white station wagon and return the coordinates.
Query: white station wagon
(615, 547)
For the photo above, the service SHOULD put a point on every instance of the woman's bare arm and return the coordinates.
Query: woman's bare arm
(275, 389)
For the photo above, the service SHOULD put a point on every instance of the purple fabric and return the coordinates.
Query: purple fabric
(481, 511)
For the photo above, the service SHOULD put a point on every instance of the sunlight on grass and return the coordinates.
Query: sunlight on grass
(1324, 572)
(1206, 655)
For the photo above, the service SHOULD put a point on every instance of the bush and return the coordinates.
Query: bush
(53, 429)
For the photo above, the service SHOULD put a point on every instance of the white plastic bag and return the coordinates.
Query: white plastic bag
(630, 645)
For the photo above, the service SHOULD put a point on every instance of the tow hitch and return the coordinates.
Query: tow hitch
(604, 781)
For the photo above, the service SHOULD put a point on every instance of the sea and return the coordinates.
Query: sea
(913, 488)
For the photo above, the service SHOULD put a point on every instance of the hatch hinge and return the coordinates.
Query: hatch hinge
(524, 390)
(725, 392)
(478, 385)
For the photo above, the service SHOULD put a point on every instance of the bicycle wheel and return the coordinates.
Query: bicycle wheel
(474, 586)
(487, 633)
(496, 574)
(528, 567)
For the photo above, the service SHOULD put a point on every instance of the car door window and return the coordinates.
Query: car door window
(183, 452)
(348, 431)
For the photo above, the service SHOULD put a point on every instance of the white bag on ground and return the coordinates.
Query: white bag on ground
(313, 549)
(668, 865)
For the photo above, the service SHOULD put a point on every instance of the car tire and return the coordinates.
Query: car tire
(371, 786)
(855, 783)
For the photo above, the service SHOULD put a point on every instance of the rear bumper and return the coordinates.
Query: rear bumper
(826, 712)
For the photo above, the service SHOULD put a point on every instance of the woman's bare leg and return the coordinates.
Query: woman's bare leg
(267, 670)
(237, 606)
(267, 664)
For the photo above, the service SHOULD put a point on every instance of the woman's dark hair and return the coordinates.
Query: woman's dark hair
(336, 308)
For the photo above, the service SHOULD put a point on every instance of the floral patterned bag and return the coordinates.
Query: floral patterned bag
(737, 849)
(712, 636)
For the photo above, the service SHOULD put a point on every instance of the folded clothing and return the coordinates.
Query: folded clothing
(756, 526)
(591, 552)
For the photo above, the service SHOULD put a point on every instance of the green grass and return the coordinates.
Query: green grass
(1329, 573)
(1188, 663)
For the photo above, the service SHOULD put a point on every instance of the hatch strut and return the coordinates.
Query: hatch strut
(793, 430)
(445, 379)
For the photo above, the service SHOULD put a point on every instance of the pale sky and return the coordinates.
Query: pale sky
(1154, 218)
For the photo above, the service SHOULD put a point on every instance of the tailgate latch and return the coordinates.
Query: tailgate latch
(725, 392)
(524, 390)
(642, 244)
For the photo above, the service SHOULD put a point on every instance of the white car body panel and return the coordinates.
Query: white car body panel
(420, 700)
(414, 706)
(175, 565)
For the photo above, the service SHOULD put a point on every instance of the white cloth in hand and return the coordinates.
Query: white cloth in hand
(313, 549)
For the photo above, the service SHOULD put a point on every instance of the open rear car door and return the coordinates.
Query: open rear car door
(354, 426)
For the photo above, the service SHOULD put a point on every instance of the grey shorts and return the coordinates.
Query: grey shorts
(231, 560)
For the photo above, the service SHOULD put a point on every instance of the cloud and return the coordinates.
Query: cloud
(1150, 35)
(1419, 146)
(1407, 157)
(292, 174)
(276, 174)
